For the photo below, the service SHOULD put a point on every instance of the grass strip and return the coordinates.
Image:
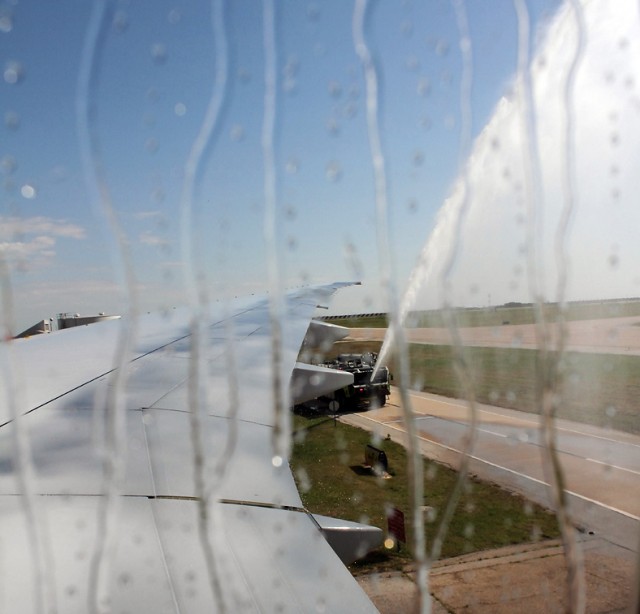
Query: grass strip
(598, 389)
(510, 313)
(327, 462)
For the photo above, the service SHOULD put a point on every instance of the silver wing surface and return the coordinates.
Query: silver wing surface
(120, 491)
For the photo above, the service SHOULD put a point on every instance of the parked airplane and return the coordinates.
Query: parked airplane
(120, 492)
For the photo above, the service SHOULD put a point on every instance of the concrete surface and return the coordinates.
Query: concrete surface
(604, 501)
(529, 578)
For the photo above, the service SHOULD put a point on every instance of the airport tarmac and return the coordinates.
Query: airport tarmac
(602, 476)
(607, 335)
(602, 473)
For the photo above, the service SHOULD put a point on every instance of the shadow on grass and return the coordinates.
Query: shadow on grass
(382, 560)
(362, 470)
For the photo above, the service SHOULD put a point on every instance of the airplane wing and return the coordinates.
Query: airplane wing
(118, 495)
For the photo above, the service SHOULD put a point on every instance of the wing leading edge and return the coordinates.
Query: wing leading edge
(237, 538)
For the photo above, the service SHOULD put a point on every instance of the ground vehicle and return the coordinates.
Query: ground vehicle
(364, 390)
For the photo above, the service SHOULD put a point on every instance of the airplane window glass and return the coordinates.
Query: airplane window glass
(198, 168)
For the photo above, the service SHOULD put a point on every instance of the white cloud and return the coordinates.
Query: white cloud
(12, 226)
(150, 215)
(28, 243)
(148, 238)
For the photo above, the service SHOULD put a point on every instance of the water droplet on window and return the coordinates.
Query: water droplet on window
(412, 205)
(8, 164)
(152, 145)
(313, 12)
(289, 85)
(292, 166)
(335, 89)
(237, 133)
(610, 411)
(292, 66)
(412, 63)
(442, 48)
(406, 28)
(350, 110)
(174, 17)
(244, 76)
(13, 72)
(418, 158)
(424, 86)
(276, 461)
(333, 127)
(120, 22)
(290, 212)
(180, 109)
(6, 20)
(159, 53)
(58, 174)
(28, 191)
(333, 171)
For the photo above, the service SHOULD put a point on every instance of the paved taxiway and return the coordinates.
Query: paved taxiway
(602, 472)
(606, 336)
(601, 467)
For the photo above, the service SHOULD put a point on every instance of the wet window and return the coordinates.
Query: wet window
(195, 168)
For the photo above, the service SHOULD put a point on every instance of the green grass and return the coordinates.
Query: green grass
(361, 322)
(598, 389)
(512, 313)
(330, 456)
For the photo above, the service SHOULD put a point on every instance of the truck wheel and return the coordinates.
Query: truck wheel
(382, 400)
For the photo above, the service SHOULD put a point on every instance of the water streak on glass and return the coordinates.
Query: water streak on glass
(39, 541)
(415, 464)
(462, 367)
(113, 410)
(199, 394)
(281, 440)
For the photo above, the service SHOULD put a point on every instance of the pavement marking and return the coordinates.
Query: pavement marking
(511, 471)
(593, 460)
(492, 432)
(526, 420)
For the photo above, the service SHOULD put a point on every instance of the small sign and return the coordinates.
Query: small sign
(395, 525)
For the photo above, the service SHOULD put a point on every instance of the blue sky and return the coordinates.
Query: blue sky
(155, 80)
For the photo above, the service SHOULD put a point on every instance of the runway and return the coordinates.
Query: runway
(605, 336)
